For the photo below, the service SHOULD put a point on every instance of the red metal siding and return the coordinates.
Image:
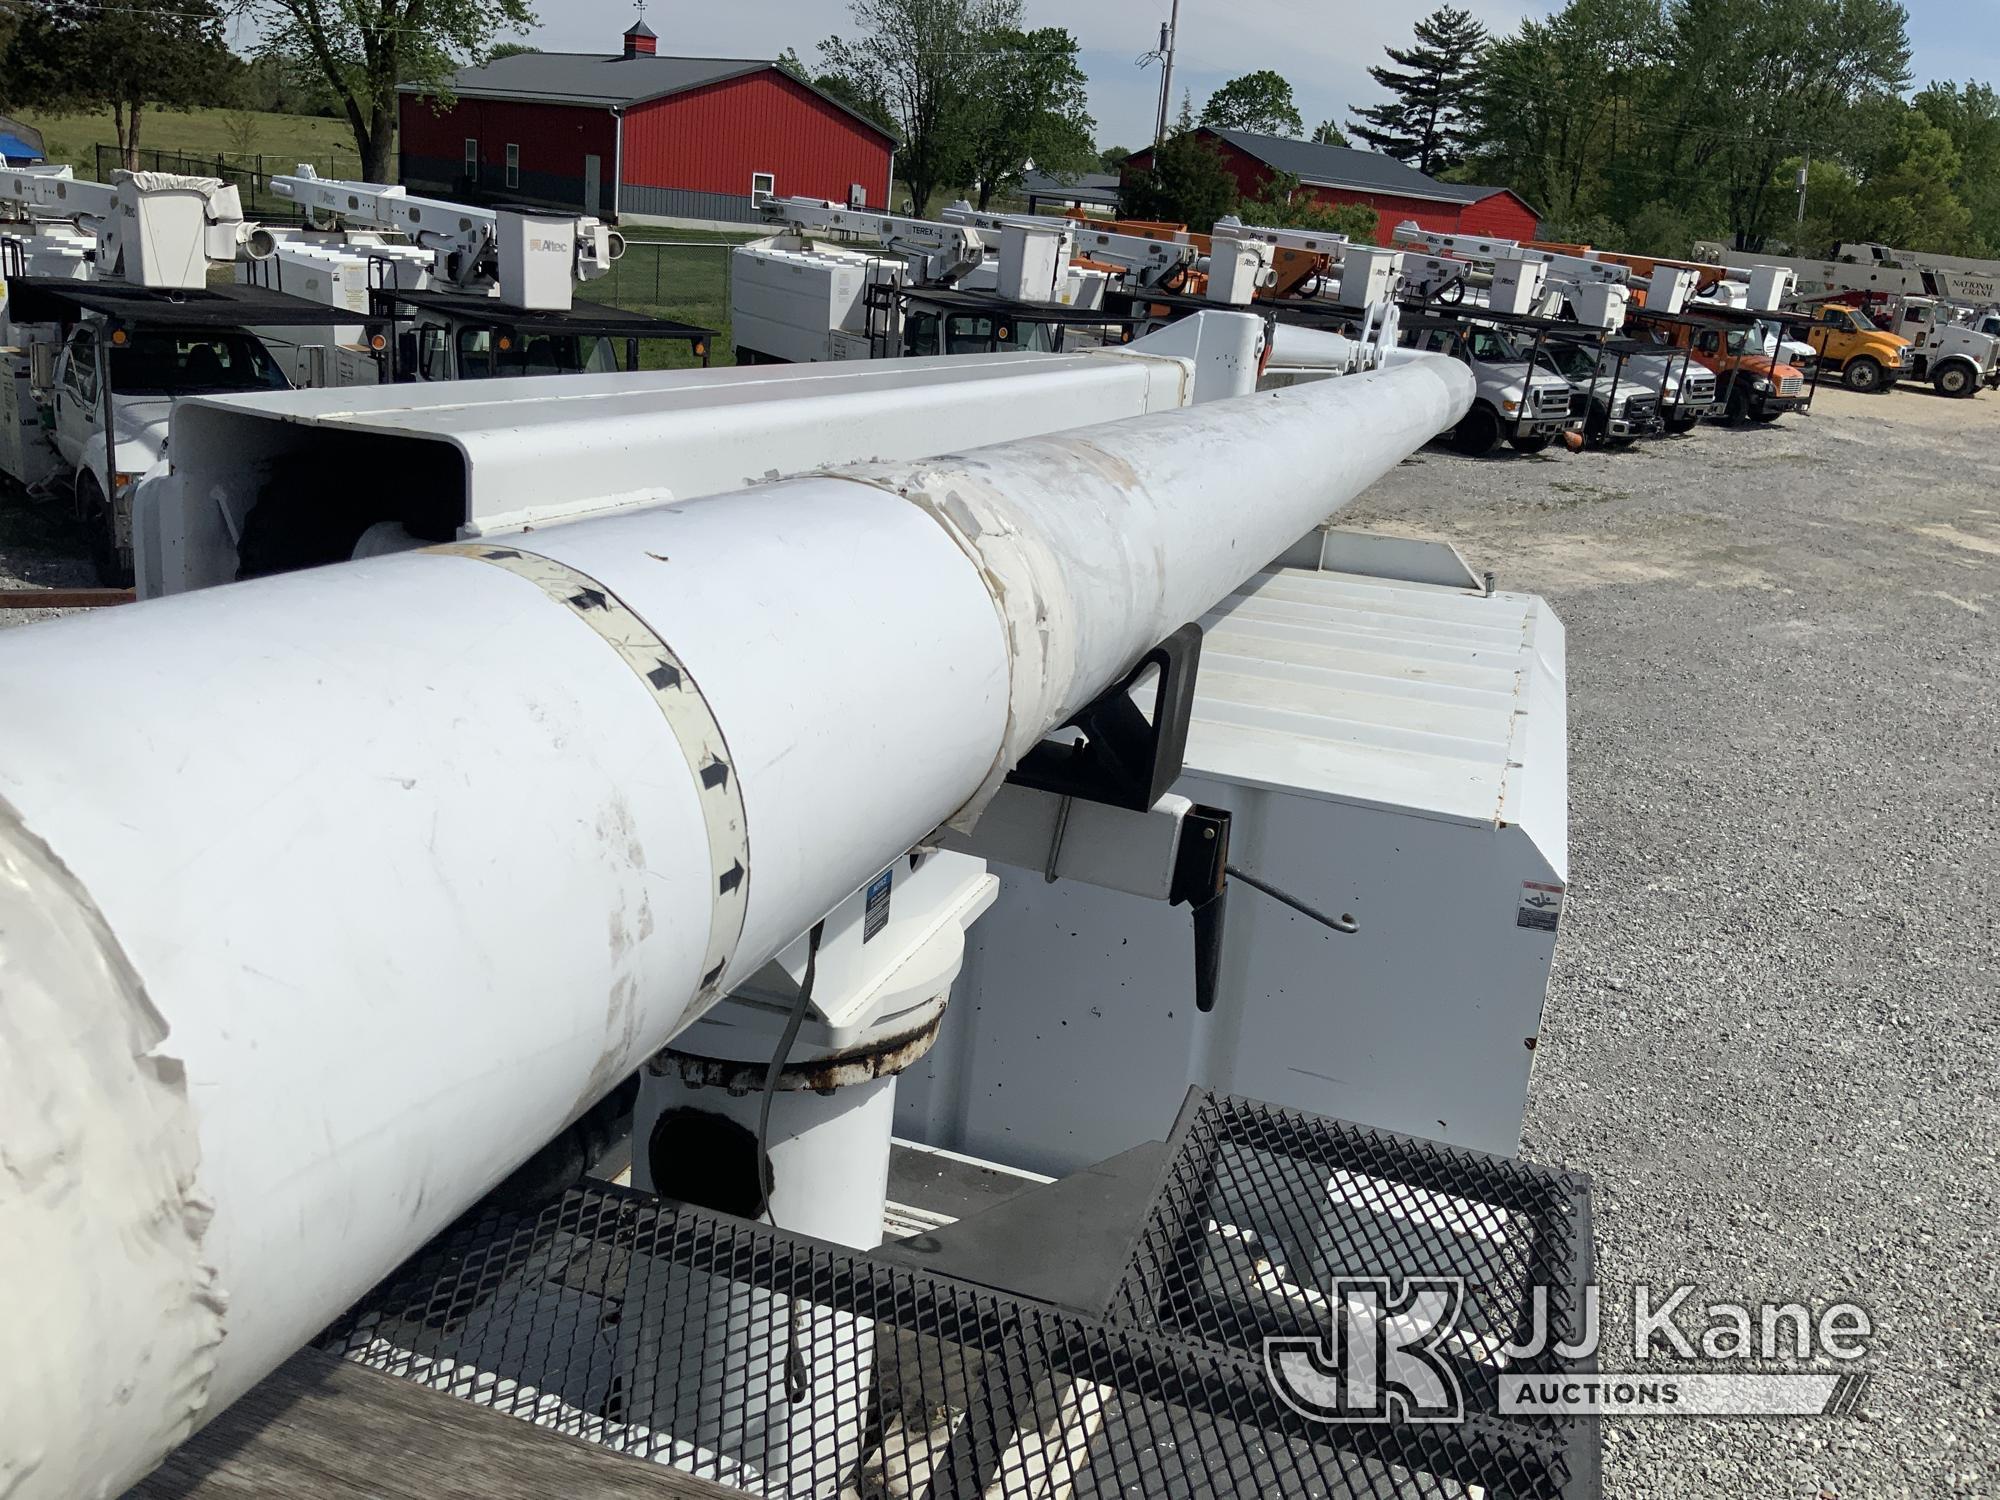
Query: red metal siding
(553, 138)
(1503, 216)
(712, 139)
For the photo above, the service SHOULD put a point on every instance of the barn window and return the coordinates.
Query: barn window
(762, 185)
(471, 159)
(513, 165)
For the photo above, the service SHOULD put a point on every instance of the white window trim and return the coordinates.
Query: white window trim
(472, 156)
(513, 165)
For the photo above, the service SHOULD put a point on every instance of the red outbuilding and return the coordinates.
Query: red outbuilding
(638, 136)
(1338, 174)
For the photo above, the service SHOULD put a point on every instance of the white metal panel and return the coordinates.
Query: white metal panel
(1393, 751)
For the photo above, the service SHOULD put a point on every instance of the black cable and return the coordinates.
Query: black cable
(1342, 923)
(778, 1058)
(795, 1368)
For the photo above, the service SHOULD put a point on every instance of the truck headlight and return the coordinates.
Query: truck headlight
(1510, 407)
(121, 481)
(1760, 384)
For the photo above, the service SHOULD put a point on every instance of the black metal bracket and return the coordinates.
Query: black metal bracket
(1123, 760)
(1201, 881)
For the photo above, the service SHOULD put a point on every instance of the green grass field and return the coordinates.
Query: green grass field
(283, 140)
(686, 279)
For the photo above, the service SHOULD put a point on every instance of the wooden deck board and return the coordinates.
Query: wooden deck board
(324, 1427)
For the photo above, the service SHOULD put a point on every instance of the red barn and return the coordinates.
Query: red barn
(1394, 189)
(638, 136)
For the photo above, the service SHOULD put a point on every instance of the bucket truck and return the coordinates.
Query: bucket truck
(456, 292)
(237, 1013)
(121, 324)
(1629, 390)
(825, 286)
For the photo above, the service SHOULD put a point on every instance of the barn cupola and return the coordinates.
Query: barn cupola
(639, 38)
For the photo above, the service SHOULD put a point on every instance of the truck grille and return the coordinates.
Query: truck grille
(1698, 389)
(1552, 403)
(1789, 385)
(1642, 408)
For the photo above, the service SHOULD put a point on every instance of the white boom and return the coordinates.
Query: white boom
(530, 259)
(306, 882)
(1145, 262)
(936, 254)
(151, 229)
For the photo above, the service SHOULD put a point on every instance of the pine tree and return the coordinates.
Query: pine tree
(1426, 124)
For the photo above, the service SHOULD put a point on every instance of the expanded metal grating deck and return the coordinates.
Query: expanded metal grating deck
(792, 1368)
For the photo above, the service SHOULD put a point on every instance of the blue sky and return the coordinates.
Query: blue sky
(1323, 48)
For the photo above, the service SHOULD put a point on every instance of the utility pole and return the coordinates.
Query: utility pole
(1804, 167)
(1169, 32)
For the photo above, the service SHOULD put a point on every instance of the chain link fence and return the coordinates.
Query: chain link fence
(687, 280)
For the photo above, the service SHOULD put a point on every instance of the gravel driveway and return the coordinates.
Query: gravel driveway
(1771, 1033)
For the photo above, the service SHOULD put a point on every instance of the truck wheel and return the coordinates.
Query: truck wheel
(1739, 403)
(114, 569)
(1530, 444)
(1954, 380)
(1479, 433)
(1862, 374)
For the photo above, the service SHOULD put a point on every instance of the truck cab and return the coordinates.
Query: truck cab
(1527, 406)
(1958, 359)
(149, 368)
(1622, 406)
(1866, 356)
(1755, 385)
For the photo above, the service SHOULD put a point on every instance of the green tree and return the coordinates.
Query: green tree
(1741, 88)
(920, 61)
(1187, 181)
(1281, 203)
(1432, 81)
(510, 49)
(1031, 104)
(80, 55)
(1971, 117)
(1555, 112)
(364, 48)
(1259, 102)
(1111, 158)
(788, 60)
(1327, 133)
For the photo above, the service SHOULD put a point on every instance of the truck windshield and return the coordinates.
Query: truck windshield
(1863, 322)
(533, 354)
(1489, 347)
(164, 363)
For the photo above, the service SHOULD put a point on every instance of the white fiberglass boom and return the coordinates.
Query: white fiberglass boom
(306, 881)
(152, 229)
(938, 254)
(1145, 261)
(476, 248)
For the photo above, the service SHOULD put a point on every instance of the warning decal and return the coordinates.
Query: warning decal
(876, 914)
(1541, 905)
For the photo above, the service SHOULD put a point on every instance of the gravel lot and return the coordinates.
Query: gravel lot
(1771, 1033)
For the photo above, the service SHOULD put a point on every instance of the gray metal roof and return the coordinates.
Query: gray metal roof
(1343, 166)
(609, 79)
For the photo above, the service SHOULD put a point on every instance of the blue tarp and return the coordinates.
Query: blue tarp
(18, 142)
